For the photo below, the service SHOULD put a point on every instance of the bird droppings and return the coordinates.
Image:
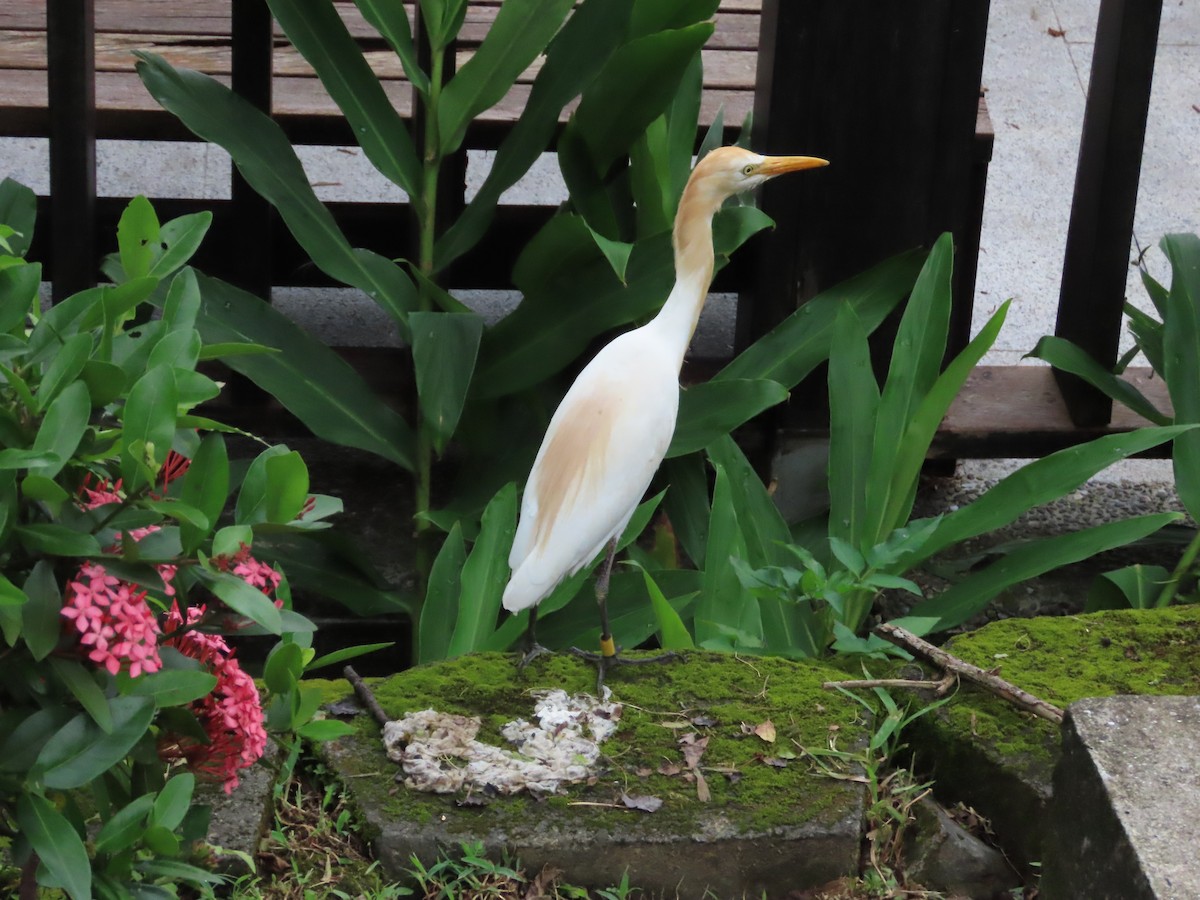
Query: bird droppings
(440, 752)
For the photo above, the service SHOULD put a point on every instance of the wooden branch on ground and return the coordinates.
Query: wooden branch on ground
(986, 680)
(939, 687)
(365, 695)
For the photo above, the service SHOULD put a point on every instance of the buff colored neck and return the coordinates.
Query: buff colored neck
(694, 259)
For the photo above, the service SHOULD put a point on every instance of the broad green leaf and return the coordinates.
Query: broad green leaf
(117, 303)
(1037, 483)
(687, 504)
(173, 801)
(137, 237)
(148, 426)
(441, 20)
(853, 402)
(796, 346)
(252, 502)
(650, 178)
(18, 209)
(287, 487)
(10, 594)
(391, 21)
(682, 119)
(64, 368)
(182, 512)
(673, 634)
(284, 666)
(914, 445)
(337, 656)
(616, 252)
(440, 610)
(18, 293)
(659, 15)
(266, 158)
(13, 458)
(1181, 360)
(723, 602)
(520, 32)
(917, 354)
(1137, 587)
(80, 751)
(444, 347)
(1147, 335)
(63, 427)
(205, 487)
(322, 730)
(637, 83)
(57, 540)
(178, 240)
(179, 349)
(105, 381)
(310, 380)
(484, 574)
(82, 683)
(318, 32)
(56, 843)
(1064, 355)
(712, 409)
(41, 617)
(591, 33)
(173, 687)
(125, 827)
(958, 603)
(244, 599)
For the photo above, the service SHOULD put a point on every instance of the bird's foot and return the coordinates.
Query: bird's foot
(532, 652)
(607, 661)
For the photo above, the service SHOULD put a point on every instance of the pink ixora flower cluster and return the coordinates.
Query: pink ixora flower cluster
(117, 627)
(231, 714)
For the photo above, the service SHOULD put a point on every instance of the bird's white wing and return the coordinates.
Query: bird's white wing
(600, 452)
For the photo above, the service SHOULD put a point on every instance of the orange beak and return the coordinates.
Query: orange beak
(778, 165)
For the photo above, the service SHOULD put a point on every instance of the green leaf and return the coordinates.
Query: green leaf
(796, 346)
(917, 353)
(1067, 357)
(1037, 483)
(960, 602)
(148, 426)
(173, 687)
(244, 599)
(287, 487)
(673, 634)
(589, 36)
(266, 158)
(485, 573)
(205, 487)
(337, 656)
(18, 293)
(712, 409)
(440, 610)
(1181, 360)
(160, 841)
(41, 617)
(284, 666)
(63, 427)
(444, 347)
(82, 684)
(687, 504)
(322, 730)
(57, 844)
(1137, 587)
(391, 21)
(64, 368)
(310, 380)
(173, 801)
(125, 827)
(105, 381)
(18, 209)
(658, 15)
(616, 252)
(252, 501)
(724, 603)
(318, 32)
(178, 240)
(520, 32)
(80, 751)
(853, 401)
(137, 235)
(57, 540)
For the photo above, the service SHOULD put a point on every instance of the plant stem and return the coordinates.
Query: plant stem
(1171, 588)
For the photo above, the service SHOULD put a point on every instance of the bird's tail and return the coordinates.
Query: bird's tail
(523, 590)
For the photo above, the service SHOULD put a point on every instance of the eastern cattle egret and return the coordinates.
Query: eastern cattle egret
(614, 425)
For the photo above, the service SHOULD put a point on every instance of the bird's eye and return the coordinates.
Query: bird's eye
(748, 169)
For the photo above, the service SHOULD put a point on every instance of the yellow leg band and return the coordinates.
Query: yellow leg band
(608, 646)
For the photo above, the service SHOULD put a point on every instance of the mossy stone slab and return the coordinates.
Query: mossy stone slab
(999, 760)
(771, 824)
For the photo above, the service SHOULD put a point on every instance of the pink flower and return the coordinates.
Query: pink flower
(231, 714)
(107, 492)
(254, 572)
(113, 620)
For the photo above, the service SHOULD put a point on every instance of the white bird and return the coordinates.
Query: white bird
(613, 427)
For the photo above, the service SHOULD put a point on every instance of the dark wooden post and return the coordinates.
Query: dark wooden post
(253, 45)
(1106, 181)
(71, 84)
(889, 93)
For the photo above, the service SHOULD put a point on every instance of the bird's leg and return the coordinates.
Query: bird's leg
(607, 658)
(532, 648)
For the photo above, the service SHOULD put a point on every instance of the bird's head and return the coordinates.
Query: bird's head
(731, 170)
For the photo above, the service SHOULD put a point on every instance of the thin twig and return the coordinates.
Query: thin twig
(939, 687)
(364, 694)
(984, 679)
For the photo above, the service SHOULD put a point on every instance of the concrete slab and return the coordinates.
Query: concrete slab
(763, 822)
(1125, 820)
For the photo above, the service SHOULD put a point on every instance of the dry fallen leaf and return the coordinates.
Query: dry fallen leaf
(693, 748)
(774, 761)
(704, 721)
(702, 792)
(1056, 32)
(766, 731)
(645, 804)
(542, 884)
(669, 768)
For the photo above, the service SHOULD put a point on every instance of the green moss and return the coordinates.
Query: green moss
(659, 703)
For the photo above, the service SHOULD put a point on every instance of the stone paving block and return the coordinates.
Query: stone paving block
(1125, 819)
